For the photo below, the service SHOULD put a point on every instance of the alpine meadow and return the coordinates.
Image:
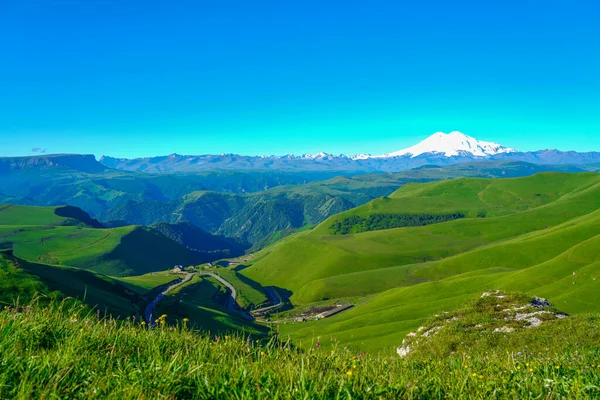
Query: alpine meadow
(273, 200)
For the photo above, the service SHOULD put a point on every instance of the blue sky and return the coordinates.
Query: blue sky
(133, 78)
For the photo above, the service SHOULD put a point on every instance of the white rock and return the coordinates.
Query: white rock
(403, 351)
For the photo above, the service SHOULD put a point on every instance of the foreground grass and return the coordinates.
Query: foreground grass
(63, 352)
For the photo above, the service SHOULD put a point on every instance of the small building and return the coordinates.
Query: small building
(178, 269)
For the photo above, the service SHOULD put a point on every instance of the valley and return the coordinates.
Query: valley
(355, 262)
(508, 230)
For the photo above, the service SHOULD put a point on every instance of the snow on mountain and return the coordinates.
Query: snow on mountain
(452, 144)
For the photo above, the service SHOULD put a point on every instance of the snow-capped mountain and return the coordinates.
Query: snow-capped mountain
(440, 149)
(452, 144)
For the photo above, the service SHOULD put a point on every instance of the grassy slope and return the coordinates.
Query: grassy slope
(22, 280)
(142, 284)
(249, 293)
(202, 302)
(25, 215)
(546, 223)
(38, 237)
(46, 355)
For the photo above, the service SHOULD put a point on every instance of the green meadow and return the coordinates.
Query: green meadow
(535, 234)
(64, 351)
(38, 234)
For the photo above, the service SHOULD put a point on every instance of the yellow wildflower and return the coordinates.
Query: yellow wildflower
(349, 373)
(186, 320)
(262, 353)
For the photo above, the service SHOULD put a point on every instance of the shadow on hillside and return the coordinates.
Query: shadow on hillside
(253, 284)
(283, 294)
(241, 267)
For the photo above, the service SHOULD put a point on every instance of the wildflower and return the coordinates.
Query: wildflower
(81, 330)
(186, 320)
(318, 345)
(474, 374)
(518, 367)
(227, 337)
(262, 353)
(480, 376)
(354, 366)
(349, 373)
(530, 370)
(216, 338)
(143, 323)
(163, 316)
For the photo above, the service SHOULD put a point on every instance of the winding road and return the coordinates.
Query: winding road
(273, 296)
(229, 304)
(150, 307)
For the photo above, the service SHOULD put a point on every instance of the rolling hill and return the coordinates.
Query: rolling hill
(534, 234)
(41, 235)
(21, 281)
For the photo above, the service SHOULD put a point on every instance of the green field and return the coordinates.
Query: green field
(534, 234)
(20, 281)
(202, 302)
(24, 215)
(249, 293)
(64, 352)
(132, 250)
(144, 283)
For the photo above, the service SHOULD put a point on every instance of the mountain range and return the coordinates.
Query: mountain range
(439, 149)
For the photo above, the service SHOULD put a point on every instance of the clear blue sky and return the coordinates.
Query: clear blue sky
(138, 78)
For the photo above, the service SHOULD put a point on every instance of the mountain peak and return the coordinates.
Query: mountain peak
(451, 144)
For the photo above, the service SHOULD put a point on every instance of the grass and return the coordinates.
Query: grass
(25, 215)
(202, 301)
(20, 280)
(130, 250)
(144, 283)
(249, 293)
(537, 236)
(62, 351)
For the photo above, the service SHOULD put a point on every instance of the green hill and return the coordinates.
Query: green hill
(40, 235)
(50, 216)
(530, 234)
(47, 353)
(22, 281)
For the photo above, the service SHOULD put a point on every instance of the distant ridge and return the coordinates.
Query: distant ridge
(342, 163)
(440, 149)
(79, 162)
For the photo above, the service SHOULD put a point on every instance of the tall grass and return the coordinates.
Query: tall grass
(63, 350)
